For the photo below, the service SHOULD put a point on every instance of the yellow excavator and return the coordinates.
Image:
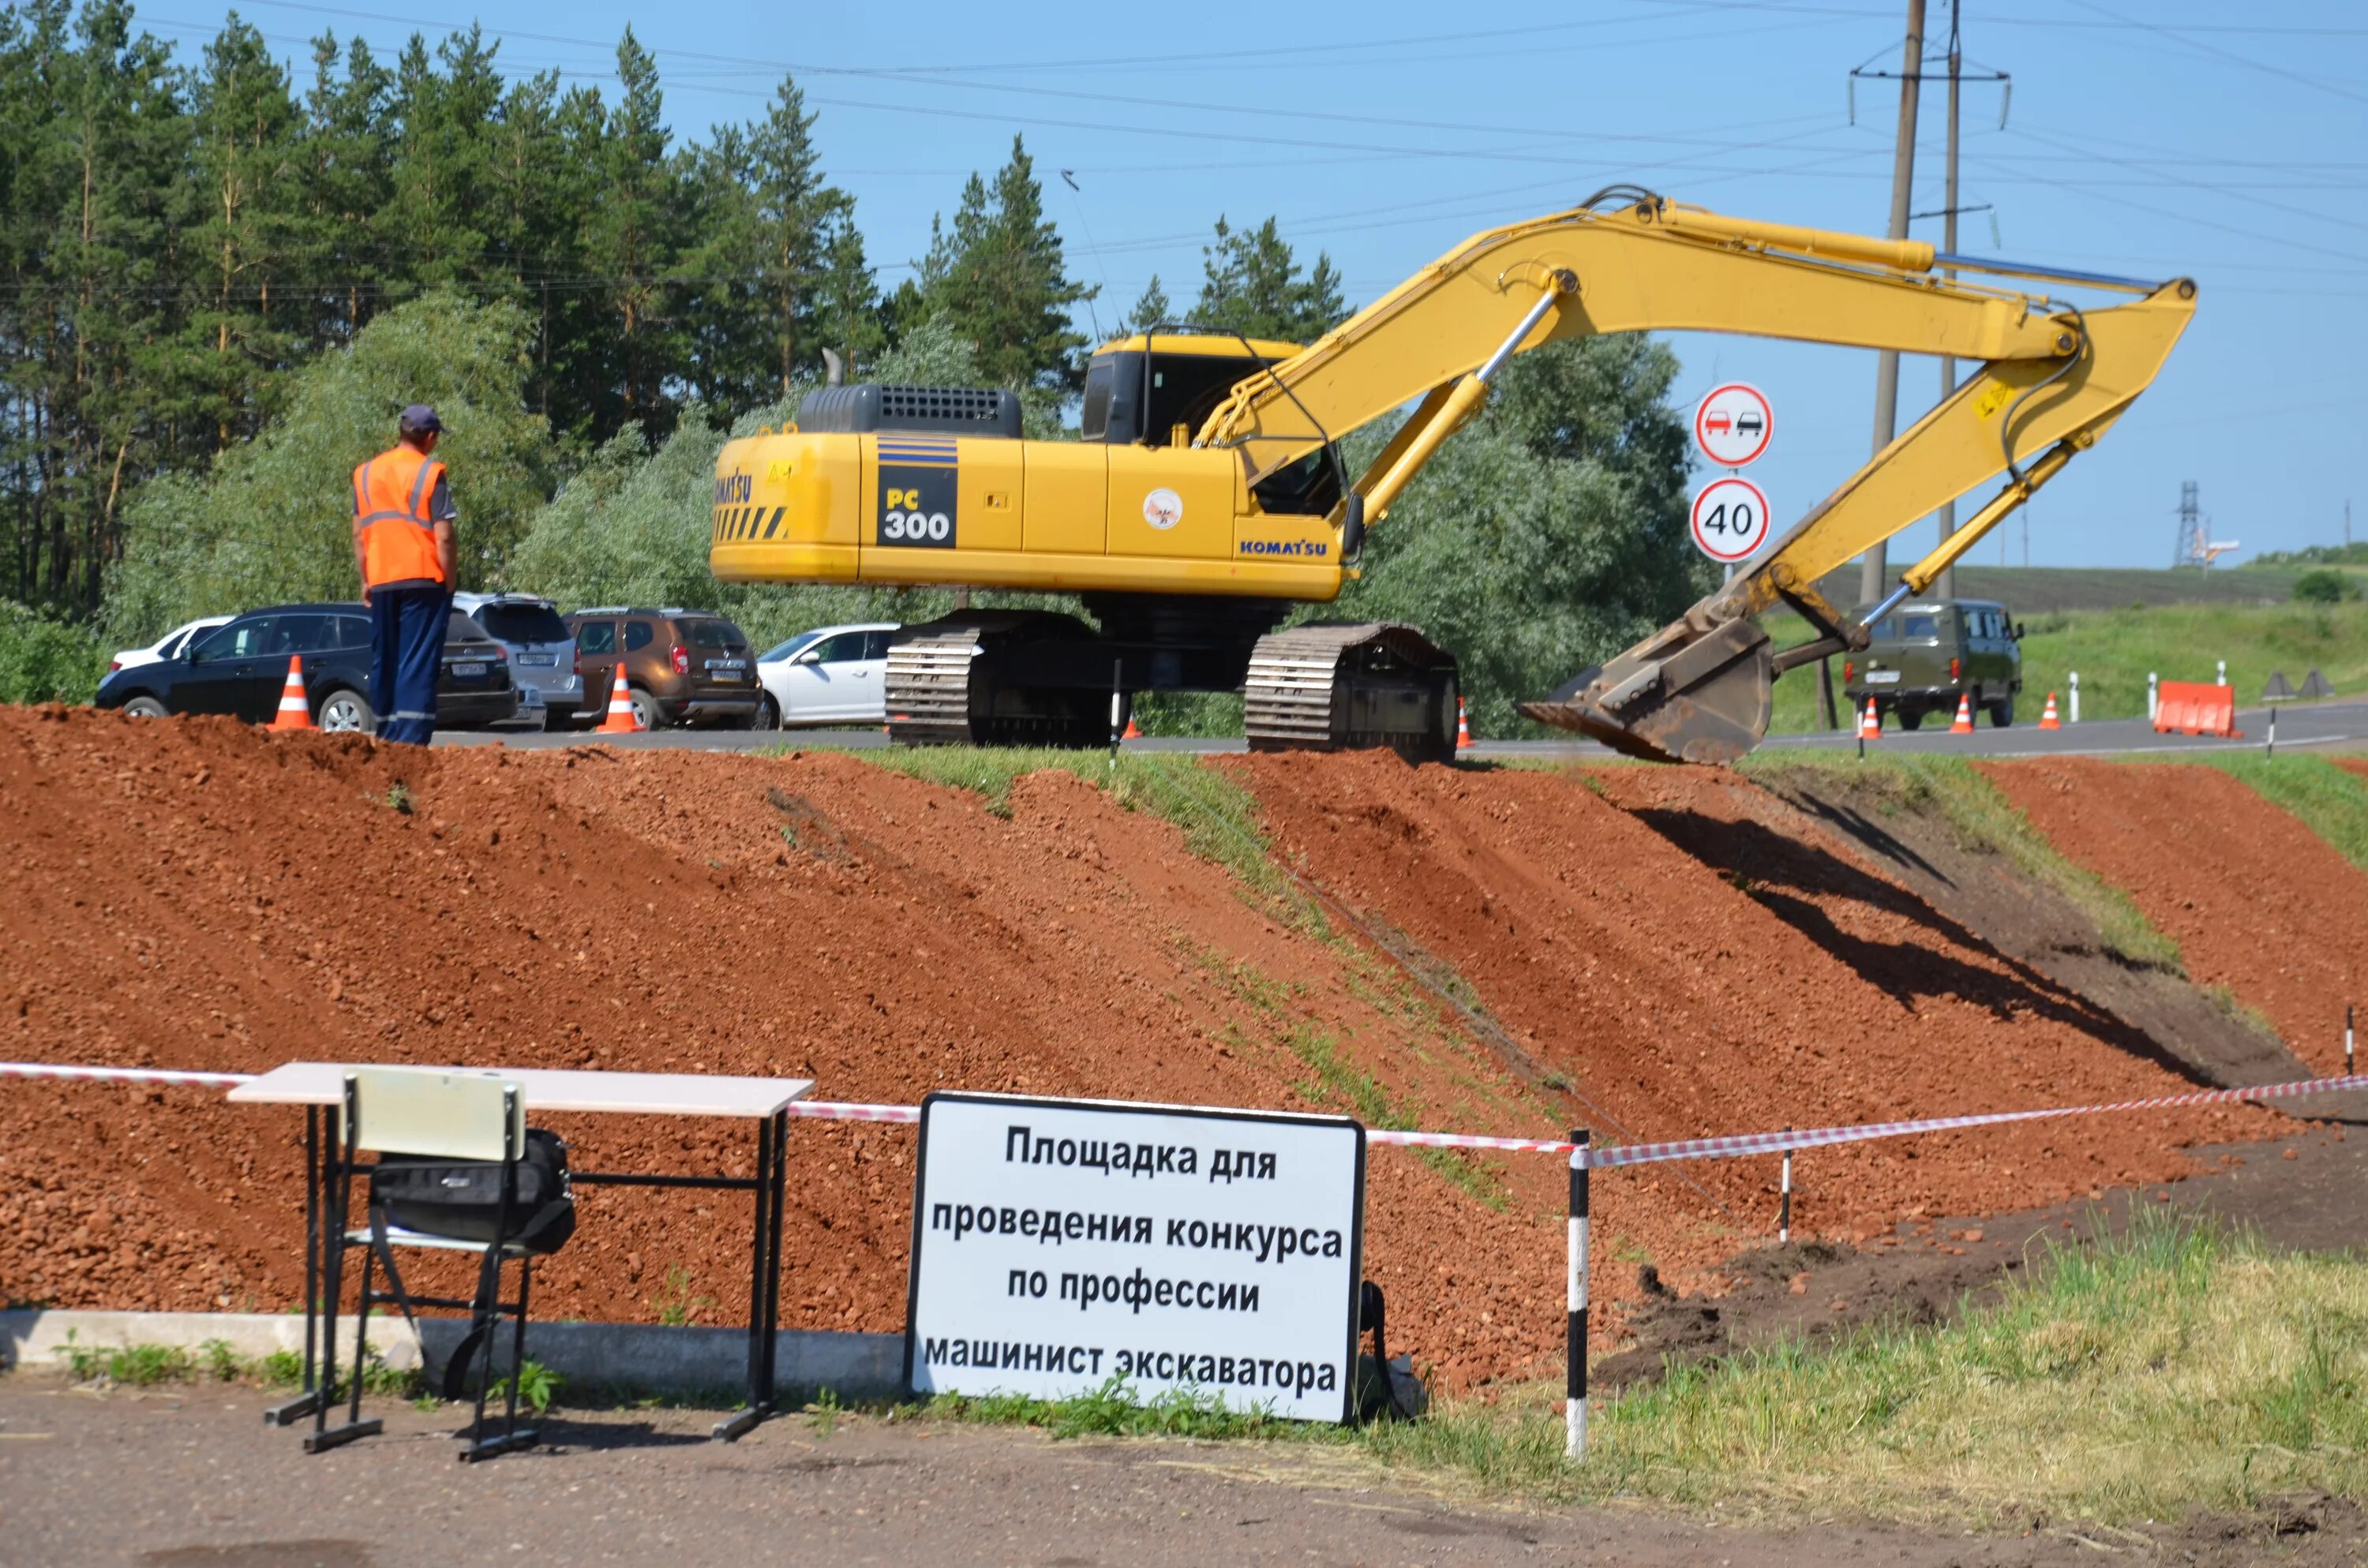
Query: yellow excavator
(1208, 497)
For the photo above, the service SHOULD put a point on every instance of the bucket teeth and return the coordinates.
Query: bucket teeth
(1680, 696)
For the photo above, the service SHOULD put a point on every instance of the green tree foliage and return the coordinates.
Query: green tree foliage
(1152, 308)
(176, 241)
(632, 527)
(1547, 534)
(998, 277)
(46, 660)
(1251, 284)
(2325, 587)
(270, 520)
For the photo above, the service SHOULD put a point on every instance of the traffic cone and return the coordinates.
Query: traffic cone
(1131, 734)
(621, 719)
(1463, 741)
(294, 712)
(2047, 719)
(1870, 727)
(1964, 724)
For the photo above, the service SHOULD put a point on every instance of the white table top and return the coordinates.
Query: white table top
(557, 1089)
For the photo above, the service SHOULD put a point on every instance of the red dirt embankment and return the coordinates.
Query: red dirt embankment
(198, 894)
(1699, 958)
(1695, 958)
(2257, 902)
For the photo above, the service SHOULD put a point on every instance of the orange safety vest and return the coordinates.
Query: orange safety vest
(390, 496)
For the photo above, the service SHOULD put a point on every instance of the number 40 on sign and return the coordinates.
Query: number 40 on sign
(1730, 519)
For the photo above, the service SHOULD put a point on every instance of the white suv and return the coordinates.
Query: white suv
(834, 674)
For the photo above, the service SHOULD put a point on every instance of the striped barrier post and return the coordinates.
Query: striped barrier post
(1784, 1201)
(2347, 1039)
(1574, 1325)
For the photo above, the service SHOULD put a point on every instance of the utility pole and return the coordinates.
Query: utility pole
(1874, 578)
(1948, 583)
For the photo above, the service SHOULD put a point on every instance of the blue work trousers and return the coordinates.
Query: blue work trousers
(406, 652)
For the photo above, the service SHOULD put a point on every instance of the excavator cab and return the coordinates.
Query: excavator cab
(1157, 388)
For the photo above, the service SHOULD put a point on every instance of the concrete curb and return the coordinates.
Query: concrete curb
(590, 1356)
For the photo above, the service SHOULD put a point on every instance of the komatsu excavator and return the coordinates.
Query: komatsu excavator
(1208, 497)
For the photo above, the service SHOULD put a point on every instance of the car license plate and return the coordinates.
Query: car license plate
(538, 661)
(1882, 678)
(468, 672)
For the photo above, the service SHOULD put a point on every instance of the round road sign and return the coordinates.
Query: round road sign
(1730, 519)
(1732, 426)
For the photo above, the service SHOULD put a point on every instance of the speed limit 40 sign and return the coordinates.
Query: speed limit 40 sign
(1730, 519)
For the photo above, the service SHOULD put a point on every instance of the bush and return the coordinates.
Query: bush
(2324, 587)
(43, 660)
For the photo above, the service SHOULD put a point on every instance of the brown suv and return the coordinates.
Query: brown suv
(681, 665)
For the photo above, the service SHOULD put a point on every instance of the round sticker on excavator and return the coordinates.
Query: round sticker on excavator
(1163, 508)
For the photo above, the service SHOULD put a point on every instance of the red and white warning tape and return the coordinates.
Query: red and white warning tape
(125, 1075)
(1600, 1156)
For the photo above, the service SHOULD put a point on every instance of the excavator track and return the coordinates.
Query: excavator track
(997, 677)
(1333, 688)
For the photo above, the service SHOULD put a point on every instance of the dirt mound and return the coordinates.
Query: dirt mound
(1696, 957)
(2258, 902)
(198, 894)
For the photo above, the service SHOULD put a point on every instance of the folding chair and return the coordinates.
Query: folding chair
(425, 1113)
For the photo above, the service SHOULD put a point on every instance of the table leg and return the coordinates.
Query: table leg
(759, 1404)
(289, 1411)
(780, 1179)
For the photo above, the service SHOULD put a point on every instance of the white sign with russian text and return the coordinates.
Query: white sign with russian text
(1059, 1243)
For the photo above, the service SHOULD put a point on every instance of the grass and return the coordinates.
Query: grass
(1984, 818)
(2114, 649)
(2177, 1365)
(2331, 802)
(213, 1360)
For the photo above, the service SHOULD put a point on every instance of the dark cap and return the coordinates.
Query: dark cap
(419, 420)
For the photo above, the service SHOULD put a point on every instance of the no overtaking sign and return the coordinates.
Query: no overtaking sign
(1059, 1243)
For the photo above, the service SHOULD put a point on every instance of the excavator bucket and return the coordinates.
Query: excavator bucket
(1686, 694)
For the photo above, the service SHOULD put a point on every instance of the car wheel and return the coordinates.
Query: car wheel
(345, 711)
(145, 707)
(768, 715)
(2003, 712)
(646, 708)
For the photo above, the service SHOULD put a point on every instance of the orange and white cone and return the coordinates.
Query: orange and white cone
(1131, 734)
(1964, 724)
(1463, 727)
(294, 712)
(2047, 719)
(621, 719)
(1870, 727)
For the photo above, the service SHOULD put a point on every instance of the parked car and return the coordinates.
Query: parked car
(1925, 655)
(542, 649)
(681, 665)
(168, 646)
(239, 668)
(834, 674)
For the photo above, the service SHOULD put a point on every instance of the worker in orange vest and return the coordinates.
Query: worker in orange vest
(408, 554)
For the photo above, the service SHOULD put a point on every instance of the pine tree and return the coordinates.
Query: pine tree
(849, 311)
(1149, 311)
(347, 179)
(633, 239)
(999, 277)
(1251, 284)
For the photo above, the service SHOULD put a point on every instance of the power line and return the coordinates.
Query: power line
(2215, 50)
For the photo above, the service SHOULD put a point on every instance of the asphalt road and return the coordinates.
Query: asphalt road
(2314, 724)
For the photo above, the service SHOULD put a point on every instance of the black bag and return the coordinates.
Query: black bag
(462, 1200)
(1387, 1388)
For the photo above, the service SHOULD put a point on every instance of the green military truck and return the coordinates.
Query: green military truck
(1925, 655)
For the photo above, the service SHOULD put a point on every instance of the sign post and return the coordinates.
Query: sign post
(1060, 1244)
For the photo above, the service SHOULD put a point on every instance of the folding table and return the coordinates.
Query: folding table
(319, 1087)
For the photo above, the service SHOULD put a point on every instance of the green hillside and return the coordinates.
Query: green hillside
(2114, 649)
(2035, 590)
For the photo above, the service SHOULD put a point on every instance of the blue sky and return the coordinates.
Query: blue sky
(2150, 137)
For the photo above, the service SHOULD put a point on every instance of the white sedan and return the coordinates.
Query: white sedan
(168, 646)
(834, 674)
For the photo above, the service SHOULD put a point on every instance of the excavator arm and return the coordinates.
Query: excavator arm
(2051, 378)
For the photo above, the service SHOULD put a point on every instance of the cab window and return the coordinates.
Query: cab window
(1914, 626)
(1093, 421)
